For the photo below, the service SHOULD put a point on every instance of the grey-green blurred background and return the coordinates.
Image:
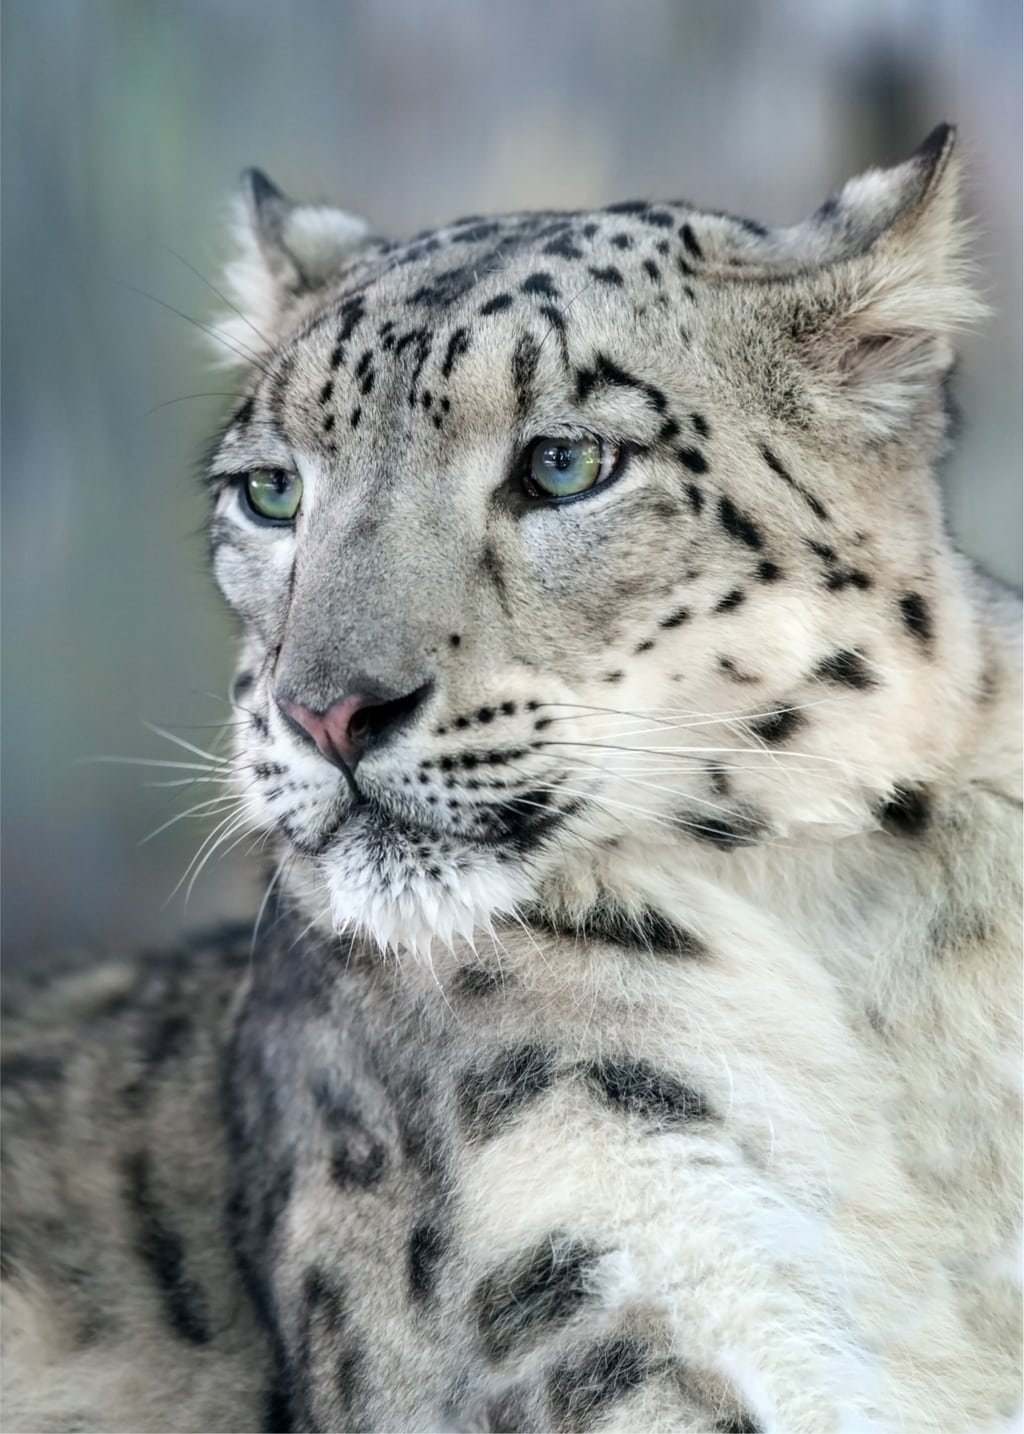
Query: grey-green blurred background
(125, 123)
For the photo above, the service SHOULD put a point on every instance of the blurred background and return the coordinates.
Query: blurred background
(125, 124)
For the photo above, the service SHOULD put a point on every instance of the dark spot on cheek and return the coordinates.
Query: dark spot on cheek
(454, 639)
(846, 668)
(738, 525)
(777, 727)
(916, 615)
(495, 305)
(731, 601)
(692, 459)
(675, 619)
(907, 813)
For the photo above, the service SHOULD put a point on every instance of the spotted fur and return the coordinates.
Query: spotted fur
(630, 1035)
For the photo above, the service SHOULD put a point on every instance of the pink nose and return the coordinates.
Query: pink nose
(339, 733)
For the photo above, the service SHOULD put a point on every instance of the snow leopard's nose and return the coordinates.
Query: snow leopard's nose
(354, 723)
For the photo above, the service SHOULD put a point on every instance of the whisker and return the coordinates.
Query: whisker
(239, 350)
(213, 289)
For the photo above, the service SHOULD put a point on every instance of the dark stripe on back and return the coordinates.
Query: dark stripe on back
(529, 1295)
(163, 1251)
(490, 1097)
(581, 1390)
(638, 1088)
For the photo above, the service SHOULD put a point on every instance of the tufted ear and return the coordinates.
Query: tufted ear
(876, 319)
(283, 251)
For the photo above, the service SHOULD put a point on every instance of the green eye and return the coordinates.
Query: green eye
(562, 467)
(273, 494)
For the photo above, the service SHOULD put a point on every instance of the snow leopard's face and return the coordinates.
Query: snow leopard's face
(560, 539)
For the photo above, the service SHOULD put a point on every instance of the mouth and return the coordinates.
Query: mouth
(394, 873)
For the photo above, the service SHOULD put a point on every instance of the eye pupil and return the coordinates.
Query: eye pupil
(561, 467)
(273, 494)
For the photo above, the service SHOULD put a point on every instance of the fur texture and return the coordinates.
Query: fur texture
(631, 1038)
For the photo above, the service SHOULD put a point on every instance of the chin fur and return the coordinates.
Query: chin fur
(381, 884)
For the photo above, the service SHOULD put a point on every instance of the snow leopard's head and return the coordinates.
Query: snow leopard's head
(570, 545)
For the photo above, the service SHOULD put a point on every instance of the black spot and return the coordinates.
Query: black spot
(491, 568)
(613, 677)
(495, 305)
(622, 241)
(917, 618)
(607, 372)
(607, 275)
(738, 525)
(686, 269)
(458, 344)
(695, 496)
(700, 425)
(357, 1160)
(727, 835)
(907, 813)
(688, 237)
(444, 289)
(778, 726)
(732, 670)
(524, 367)
(731, 601)
(580, 1390)
(327, 1355)
(769, 572)
(454, 639)
(328, 423)
(638, 1088)
(668, 430)
(475, 233)
(528, 1296)
(162, 1249)
(563, 248)
(643, 646)
(642, 929)
(489, 1097)
(778, 467)
(426, 1247)
(652, 271)
(244, 411)
(540, 283)
(628, 206)
(555, 318)
(477, 981)
(840, 578)
(675, 619)
(355, 416)
(846, 668)
(352, 310)
(326, 391)
(693, 459)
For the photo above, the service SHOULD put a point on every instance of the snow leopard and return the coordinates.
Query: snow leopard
(628, 1038)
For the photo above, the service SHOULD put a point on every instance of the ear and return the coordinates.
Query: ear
(283, 252)
(876, 320)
